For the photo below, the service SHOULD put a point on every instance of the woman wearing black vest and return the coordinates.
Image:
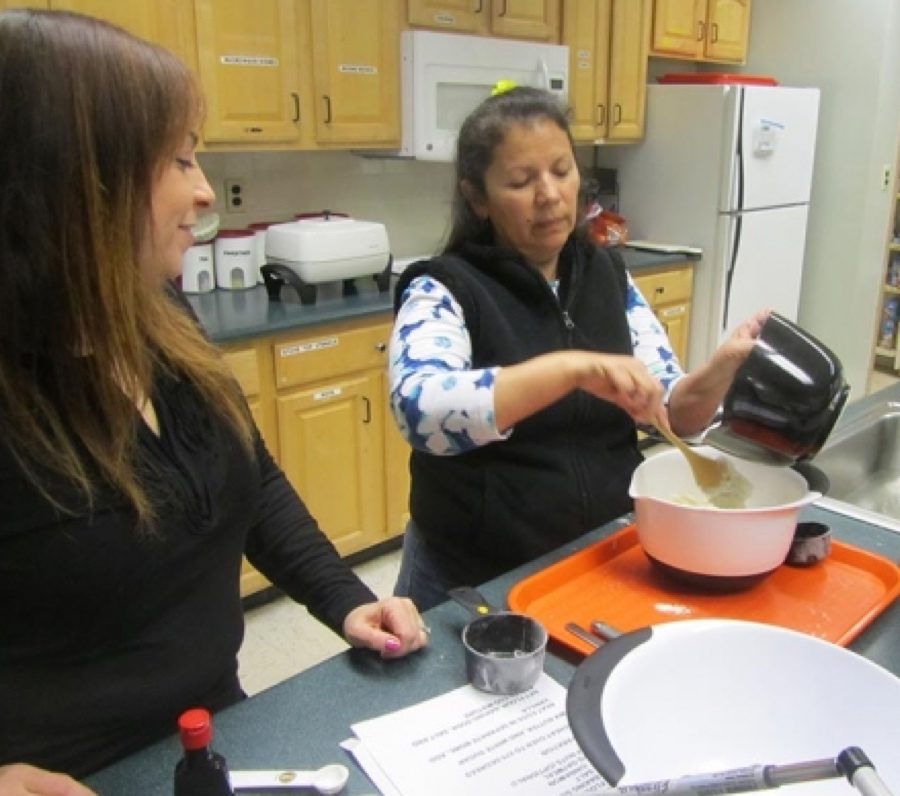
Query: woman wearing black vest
(520, 360)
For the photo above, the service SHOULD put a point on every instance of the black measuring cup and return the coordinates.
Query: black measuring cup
(504, 650)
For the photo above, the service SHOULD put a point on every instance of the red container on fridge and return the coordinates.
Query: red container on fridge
(716, 78)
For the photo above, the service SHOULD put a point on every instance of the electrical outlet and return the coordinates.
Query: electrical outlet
(235, 196)
(885, 177)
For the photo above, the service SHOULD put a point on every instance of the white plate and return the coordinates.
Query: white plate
(700, 696)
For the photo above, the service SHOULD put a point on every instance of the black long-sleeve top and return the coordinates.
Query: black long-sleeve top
(108, 634)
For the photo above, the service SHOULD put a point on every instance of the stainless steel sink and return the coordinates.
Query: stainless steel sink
(862, 461)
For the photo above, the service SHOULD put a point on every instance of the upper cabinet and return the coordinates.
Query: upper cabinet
(248, 61)
(161, 21)
(356, 68)
(701, 30)
(268, 79)
(515, 19)
(607, 42)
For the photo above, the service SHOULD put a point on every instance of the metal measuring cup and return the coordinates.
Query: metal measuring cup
(504, 650)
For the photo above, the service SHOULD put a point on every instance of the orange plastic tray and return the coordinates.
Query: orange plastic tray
(613, 581)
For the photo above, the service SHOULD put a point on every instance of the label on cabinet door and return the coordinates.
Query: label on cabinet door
(305, 348)
(248, 60)
(326, 395)
(357, 69)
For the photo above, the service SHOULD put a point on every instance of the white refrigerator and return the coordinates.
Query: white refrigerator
(727, 169)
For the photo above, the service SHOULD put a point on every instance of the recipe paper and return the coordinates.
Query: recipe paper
(470, 742)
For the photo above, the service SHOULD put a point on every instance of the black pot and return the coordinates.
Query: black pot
(785, 398)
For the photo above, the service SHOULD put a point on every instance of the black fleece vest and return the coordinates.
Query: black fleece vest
(564, 470)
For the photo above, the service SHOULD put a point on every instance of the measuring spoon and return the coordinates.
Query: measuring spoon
(327, 780)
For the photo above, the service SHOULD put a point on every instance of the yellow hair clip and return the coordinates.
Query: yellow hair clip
(502, 86)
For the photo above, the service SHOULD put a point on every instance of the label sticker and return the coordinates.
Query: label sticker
(324, 395)
(357, 69)
(306, 348)
(248, 60)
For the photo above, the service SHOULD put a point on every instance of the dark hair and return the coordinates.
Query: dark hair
(481, 132)
(90, 116)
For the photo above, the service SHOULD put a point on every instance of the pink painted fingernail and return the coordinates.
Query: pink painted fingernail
(392, 644)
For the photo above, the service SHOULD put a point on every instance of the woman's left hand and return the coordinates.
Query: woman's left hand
(392, 626)
(737, 347)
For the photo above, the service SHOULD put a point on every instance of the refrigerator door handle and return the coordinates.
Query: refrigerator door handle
(736, 223)
(739, 156)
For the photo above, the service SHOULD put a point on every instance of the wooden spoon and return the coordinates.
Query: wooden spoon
(723, 485)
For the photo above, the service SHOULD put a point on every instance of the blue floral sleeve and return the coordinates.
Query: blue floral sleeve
(444, 406)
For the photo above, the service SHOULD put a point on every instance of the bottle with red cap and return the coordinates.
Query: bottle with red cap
(201, 772)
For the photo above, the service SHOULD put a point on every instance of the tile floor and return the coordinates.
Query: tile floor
(282, 639)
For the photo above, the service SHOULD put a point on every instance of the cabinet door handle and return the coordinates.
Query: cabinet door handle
(714, 32)
(502, 11)
(296, 97)
(480, 7)
(601, 114)
(327, 108)
(367, 405)
(701, 32)
(618, 115)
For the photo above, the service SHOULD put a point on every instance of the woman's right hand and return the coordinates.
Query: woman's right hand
(619, 379)
(20, 779)
(527, 387)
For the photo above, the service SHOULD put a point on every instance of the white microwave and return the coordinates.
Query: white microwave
(446, 75)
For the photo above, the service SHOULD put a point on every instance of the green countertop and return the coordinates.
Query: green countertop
(230, 316)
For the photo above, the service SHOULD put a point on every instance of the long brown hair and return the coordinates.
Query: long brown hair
(89, 115)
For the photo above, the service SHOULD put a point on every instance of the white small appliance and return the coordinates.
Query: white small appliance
(309, 252)
(444, 76)
(727, 168)
(197, 269)
(235, 254)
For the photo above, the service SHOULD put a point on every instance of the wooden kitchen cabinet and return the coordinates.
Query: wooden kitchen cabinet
(333, 423)
(248, 59)
(608, 41)
(319, 397)
(161, 21)
(356, 71)
(701, 30)
(668, 291)
(300, 74)
(247, 366)
(514, 19)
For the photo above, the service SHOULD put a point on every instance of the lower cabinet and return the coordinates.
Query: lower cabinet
(668, 292)
(320, 395)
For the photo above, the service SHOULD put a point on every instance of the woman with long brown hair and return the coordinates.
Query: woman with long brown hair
(132, 478)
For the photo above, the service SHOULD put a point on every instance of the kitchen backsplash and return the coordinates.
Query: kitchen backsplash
(410, 197)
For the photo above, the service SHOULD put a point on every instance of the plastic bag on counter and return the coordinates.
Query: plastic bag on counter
(606, 228)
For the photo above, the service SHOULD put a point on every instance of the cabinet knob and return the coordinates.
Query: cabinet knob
(381, 347)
